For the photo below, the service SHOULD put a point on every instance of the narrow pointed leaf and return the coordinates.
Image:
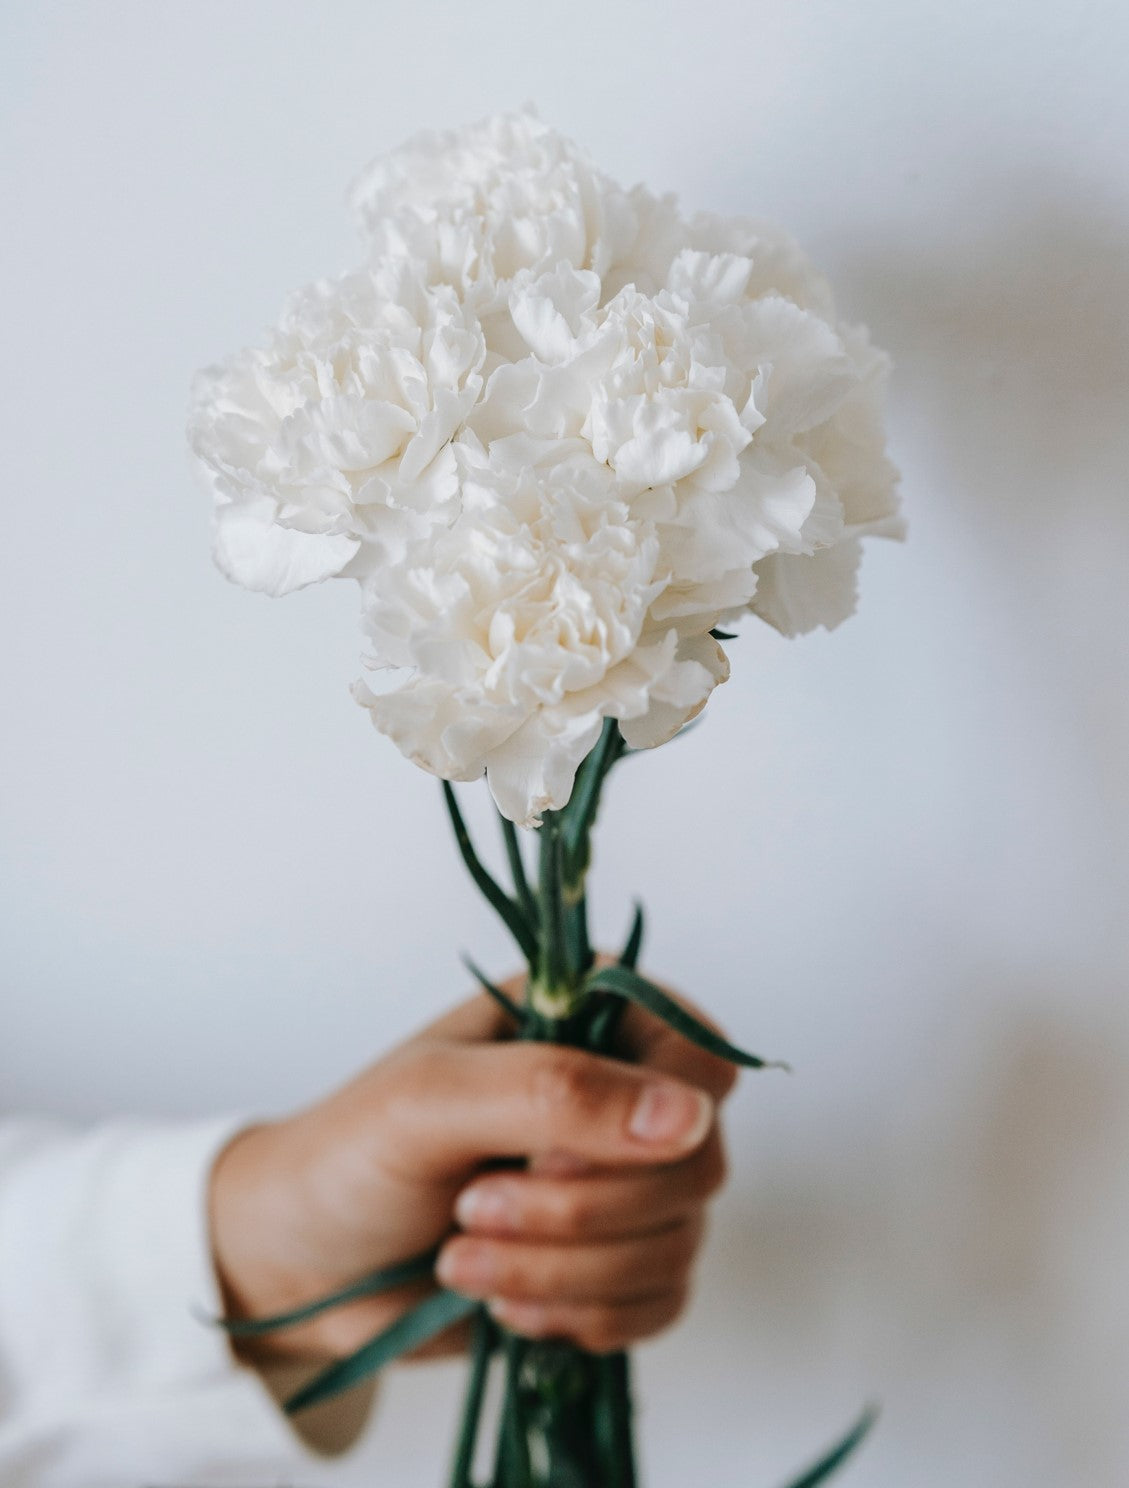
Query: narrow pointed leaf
(415, 1269)
(502, 998)
(723, 635)
(629, 956)
(408, 1332)
(606, 1019)
(626, 983)
(519, 927)
(820, 1471)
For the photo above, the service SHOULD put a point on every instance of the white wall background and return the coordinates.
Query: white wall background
(896, 856)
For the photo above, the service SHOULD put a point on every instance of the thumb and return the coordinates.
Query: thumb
(447, 1108)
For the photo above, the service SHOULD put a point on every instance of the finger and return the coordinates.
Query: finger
(453, 1106)
(610, 1271)
(647, 1040)
(606, 1205)
(598, 1329)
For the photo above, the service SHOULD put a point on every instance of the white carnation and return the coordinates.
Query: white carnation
(526, 624)
(339, 429)
(479, 205)
(559, 434)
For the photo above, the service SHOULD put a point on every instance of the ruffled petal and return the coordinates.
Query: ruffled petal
(252, 550)
(796, 595)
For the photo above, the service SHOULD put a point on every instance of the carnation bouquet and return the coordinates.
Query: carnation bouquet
(563, 437)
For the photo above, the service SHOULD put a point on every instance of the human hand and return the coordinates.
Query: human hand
(592, 1240)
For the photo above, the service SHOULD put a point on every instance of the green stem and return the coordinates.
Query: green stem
(584, 802)
(517, 869)
(565, 1419)
(616, 1372)
(511, 1468)
(482, 1346)
(555, 988)
(576, 939)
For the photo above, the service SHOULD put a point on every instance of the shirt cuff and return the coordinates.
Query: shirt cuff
(113, 1277)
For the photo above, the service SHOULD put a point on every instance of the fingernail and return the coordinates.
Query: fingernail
(528, 1318)
(486, 1206)
(666, 1112)
(466, 1267)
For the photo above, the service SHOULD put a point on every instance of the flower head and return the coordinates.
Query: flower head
(558, 434)
(478, 206)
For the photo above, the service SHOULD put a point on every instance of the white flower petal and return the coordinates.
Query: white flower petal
(553, 311)
(720, 278)
(558, 434)
(798, 594)
(252, 550)
(439, 728)
(804, 371)
(534, 769)
(699, 665)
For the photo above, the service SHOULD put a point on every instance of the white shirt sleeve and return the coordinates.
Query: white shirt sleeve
(108, 1375)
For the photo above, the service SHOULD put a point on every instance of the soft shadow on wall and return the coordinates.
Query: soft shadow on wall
(1012, 357)
(969, 1266)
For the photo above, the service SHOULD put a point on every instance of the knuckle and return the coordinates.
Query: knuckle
(668, 1311)
(562, 1086)
(684, 1248)
(517, 1278)
(392, 1098)
(572, 1211)
(530, 1275)
(661, 1314)
(671, 1259)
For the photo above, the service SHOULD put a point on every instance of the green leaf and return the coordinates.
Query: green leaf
(373, 1285)
(605, 1018)
(519, 927)
(820, 1471)
(627, 983)
(723, 635)
(423, 1322)
(502, 998)
(629, 956)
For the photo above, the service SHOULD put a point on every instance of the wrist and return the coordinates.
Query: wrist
(250, 1214)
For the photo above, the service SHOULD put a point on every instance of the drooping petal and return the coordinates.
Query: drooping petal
(799, 594)
(533, 770)
(699, 666)
(252, 550)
